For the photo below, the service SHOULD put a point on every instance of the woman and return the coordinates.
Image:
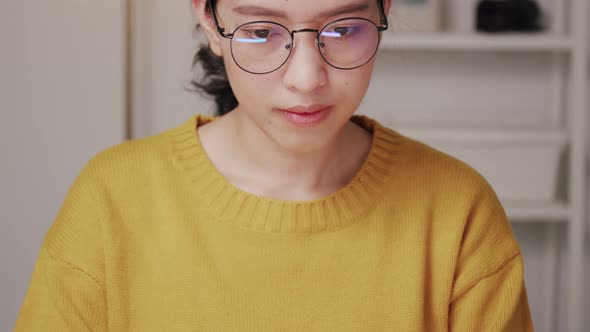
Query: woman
(286, 213)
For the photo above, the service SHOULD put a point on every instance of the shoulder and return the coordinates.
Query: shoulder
(136, 161)
(128, 156)
(451, 180)
(455, 198)
(450, 190)
(438, 167)
(452, 194)
(424, 166)
(422, 178)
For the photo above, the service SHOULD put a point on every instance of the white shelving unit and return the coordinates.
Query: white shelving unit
(478, 42)
(551, 212)
(566, 45)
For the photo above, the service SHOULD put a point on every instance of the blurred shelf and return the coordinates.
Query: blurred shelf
(486, 136)
(535, 212)
(477, 42)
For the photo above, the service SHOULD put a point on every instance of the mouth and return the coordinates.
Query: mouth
(307, 116)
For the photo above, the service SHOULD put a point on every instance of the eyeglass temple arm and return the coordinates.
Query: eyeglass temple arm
(219, 28)
(384, 21)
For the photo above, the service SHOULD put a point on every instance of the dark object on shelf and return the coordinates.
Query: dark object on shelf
(508, 15)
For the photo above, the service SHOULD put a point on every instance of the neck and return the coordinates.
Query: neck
(265, 168)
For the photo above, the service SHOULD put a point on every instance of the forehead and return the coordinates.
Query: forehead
(295, 10)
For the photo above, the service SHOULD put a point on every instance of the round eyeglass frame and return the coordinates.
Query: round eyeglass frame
(291, 45)
(292, 33)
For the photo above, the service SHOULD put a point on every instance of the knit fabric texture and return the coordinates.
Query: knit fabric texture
(151, 237)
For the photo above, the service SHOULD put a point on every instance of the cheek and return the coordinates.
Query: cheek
(240, 80)
(251, 90)
(354, 83)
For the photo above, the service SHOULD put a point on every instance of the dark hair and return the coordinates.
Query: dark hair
(213, 81)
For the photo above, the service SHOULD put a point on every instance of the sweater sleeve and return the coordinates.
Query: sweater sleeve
(62, 297)
(66, 291)
(488, 292)
(495, 303)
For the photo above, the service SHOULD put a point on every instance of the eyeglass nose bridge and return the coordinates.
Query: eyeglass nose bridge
(293, 32)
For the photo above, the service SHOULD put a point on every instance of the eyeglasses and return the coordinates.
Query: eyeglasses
(261, 47)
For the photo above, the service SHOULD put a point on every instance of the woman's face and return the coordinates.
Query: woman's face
(305, 103)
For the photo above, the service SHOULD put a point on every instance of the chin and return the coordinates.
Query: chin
(301, 139)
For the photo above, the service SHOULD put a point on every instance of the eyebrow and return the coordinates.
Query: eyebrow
(261, 11)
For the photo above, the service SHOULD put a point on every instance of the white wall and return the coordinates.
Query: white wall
(163, 48)
(61, 101)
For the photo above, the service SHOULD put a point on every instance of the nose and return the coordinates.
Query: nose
(306, 70)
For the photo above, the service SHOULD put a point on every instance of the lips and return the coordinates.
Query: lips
(305, 109)
(306, 116)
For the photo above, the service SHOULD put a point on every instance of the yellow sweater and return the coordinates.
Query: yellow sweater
(152, 238)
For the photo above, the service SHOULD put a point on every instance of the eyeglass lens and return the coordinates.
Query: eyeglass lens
(262, 47)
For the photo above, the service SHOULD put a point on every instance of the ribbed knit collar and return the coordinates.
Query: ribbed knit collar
(227, 203)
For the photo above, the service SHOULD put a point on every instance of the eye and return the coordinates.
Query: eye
(342, 31)
(259, 33)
